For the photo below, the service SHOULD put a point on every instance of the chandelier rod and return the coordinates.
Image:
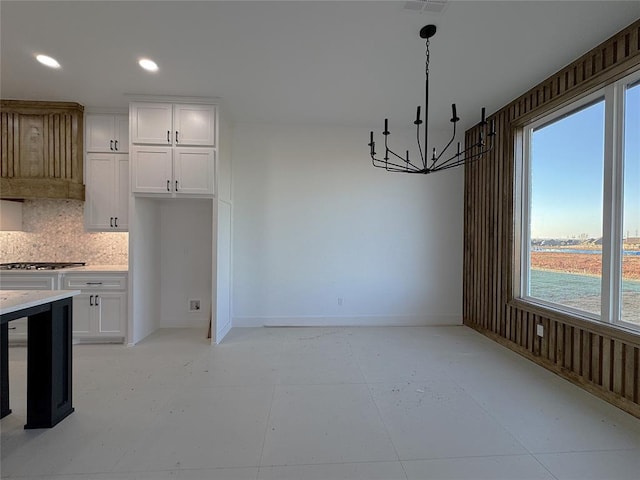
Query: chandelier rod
(426, 100)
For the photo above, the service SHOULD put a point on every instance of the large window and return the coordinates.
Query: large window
(631, 207)
(580, 217)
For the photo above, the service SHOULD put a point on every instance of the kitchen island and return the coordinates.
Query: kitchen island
(49, 356)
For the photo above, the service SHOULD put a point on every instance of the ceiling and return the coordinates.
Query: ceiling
(292, 62)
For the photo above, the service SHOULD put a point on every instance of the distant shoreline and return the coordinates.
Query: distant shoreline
(581, 263)
(630, 244)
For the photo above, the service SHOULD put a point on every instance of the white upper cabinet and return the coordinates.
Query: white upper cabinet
(107, 172)
(152, 169)
(194, 125)
(107, 192)
(151, 123)
(101, 181)
(107, 133)
(173, 148)
(167, 171)
(193, 170)
(173, 124)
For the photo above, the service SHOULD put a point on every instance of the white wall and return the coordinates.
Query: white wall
(185, 261)
(314, 222)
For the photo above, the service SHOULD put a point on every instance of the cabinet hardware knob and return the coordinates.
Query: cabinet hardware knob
(168, 138)
(91, 300)
(111, 222)
(168, 185)
(111, 144)
(96, 301)
(93, 283)
(115, 222)
(176, 136)
(116, 144)
(176, 185)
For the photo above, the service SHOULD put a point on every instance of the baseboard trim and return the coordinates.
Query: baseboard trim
(97, 340)
(349, 321)
(222, 334)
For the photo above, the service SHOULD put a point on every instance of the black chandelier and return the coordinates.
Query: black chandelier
(392, 162)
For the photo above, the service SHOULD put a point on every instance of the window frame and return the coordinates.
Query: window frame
(619, 114)
(613, 95)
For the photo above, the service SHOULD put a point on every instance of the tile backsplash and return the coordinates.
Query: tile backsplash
(53, 231)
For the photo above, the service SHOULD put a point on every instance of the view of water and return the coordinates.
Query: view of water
(583, 292)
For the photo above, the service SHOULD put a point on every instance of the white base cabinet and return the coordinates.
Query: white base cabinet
(100, 311)
(98, 315)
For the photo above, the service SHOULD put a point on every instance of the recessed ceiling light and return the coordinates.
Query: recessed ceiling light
(148, 65)
(48, 61)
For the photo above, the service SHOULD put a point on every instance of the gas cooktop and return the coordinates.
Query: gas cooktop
(39, 265)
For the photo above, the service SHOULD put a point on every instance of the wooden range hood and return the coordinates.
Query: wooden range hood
(41, 150)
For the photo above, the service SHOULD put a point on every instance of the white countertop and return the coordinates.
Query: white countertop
(14, 300)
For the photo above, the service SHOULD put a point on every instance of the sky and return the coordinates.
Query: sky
(631, 222)
(567, 173)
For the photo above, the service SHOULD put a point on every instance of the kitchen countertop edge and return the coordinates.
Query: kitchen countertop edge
(16, 300)
(97, 269)
(85, 269)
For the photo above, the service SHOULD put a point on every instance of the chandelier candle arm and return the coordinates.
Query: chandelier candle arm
(437, 163)
(454, 120)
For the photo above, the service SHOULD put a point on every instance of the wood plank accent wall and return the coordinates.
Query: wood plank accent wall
(600, 358)
(41, 150)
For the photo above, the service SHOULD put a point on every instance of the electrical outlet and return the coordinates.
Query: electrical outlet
(540, 330)
(194, 305)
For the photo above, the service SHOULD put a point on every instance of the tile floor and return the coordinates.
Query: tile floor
(319, 403)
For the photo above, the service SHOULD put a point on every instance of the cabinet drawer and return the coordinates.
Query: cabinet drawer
(29, 282)
(94, 282)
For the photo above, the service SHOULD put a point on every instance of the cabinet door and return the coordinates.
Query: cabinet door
(82, 314)
(100, 133)
(194, 124)
(151, 123)
(151, 170)
(110, 311)
(194, 170)
(121, 211)
(121, 127)
(100, 188)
